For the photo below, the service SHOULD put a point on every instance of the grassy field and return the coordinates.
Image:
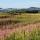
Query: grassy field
(24, 18)
(23, 35)
(27, 18)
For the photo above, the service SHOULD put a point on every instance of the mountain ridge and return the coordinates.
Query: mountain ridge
(12, 9)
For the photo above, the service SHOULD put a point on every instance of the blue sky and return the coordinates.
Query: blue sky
(19, 3)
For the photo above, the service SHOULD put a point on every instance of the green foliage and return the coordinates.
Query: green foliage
(22, 11)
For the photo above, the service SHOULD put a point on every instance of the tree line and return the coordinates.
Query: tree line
(22, 11)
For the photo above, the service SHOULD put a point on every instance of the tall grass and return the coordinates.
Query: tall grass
(27, 18)
(23, 18)
(23, 35)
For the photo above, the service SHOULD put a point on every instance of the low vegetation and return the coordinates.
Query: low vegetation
(23, 18)
(23, 35)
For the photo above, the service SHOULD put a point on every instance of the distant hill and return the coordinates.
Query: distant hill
(33, 8)
(18, 10)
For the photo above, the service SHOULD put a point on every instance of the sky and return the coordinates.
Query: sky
(19, 3)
